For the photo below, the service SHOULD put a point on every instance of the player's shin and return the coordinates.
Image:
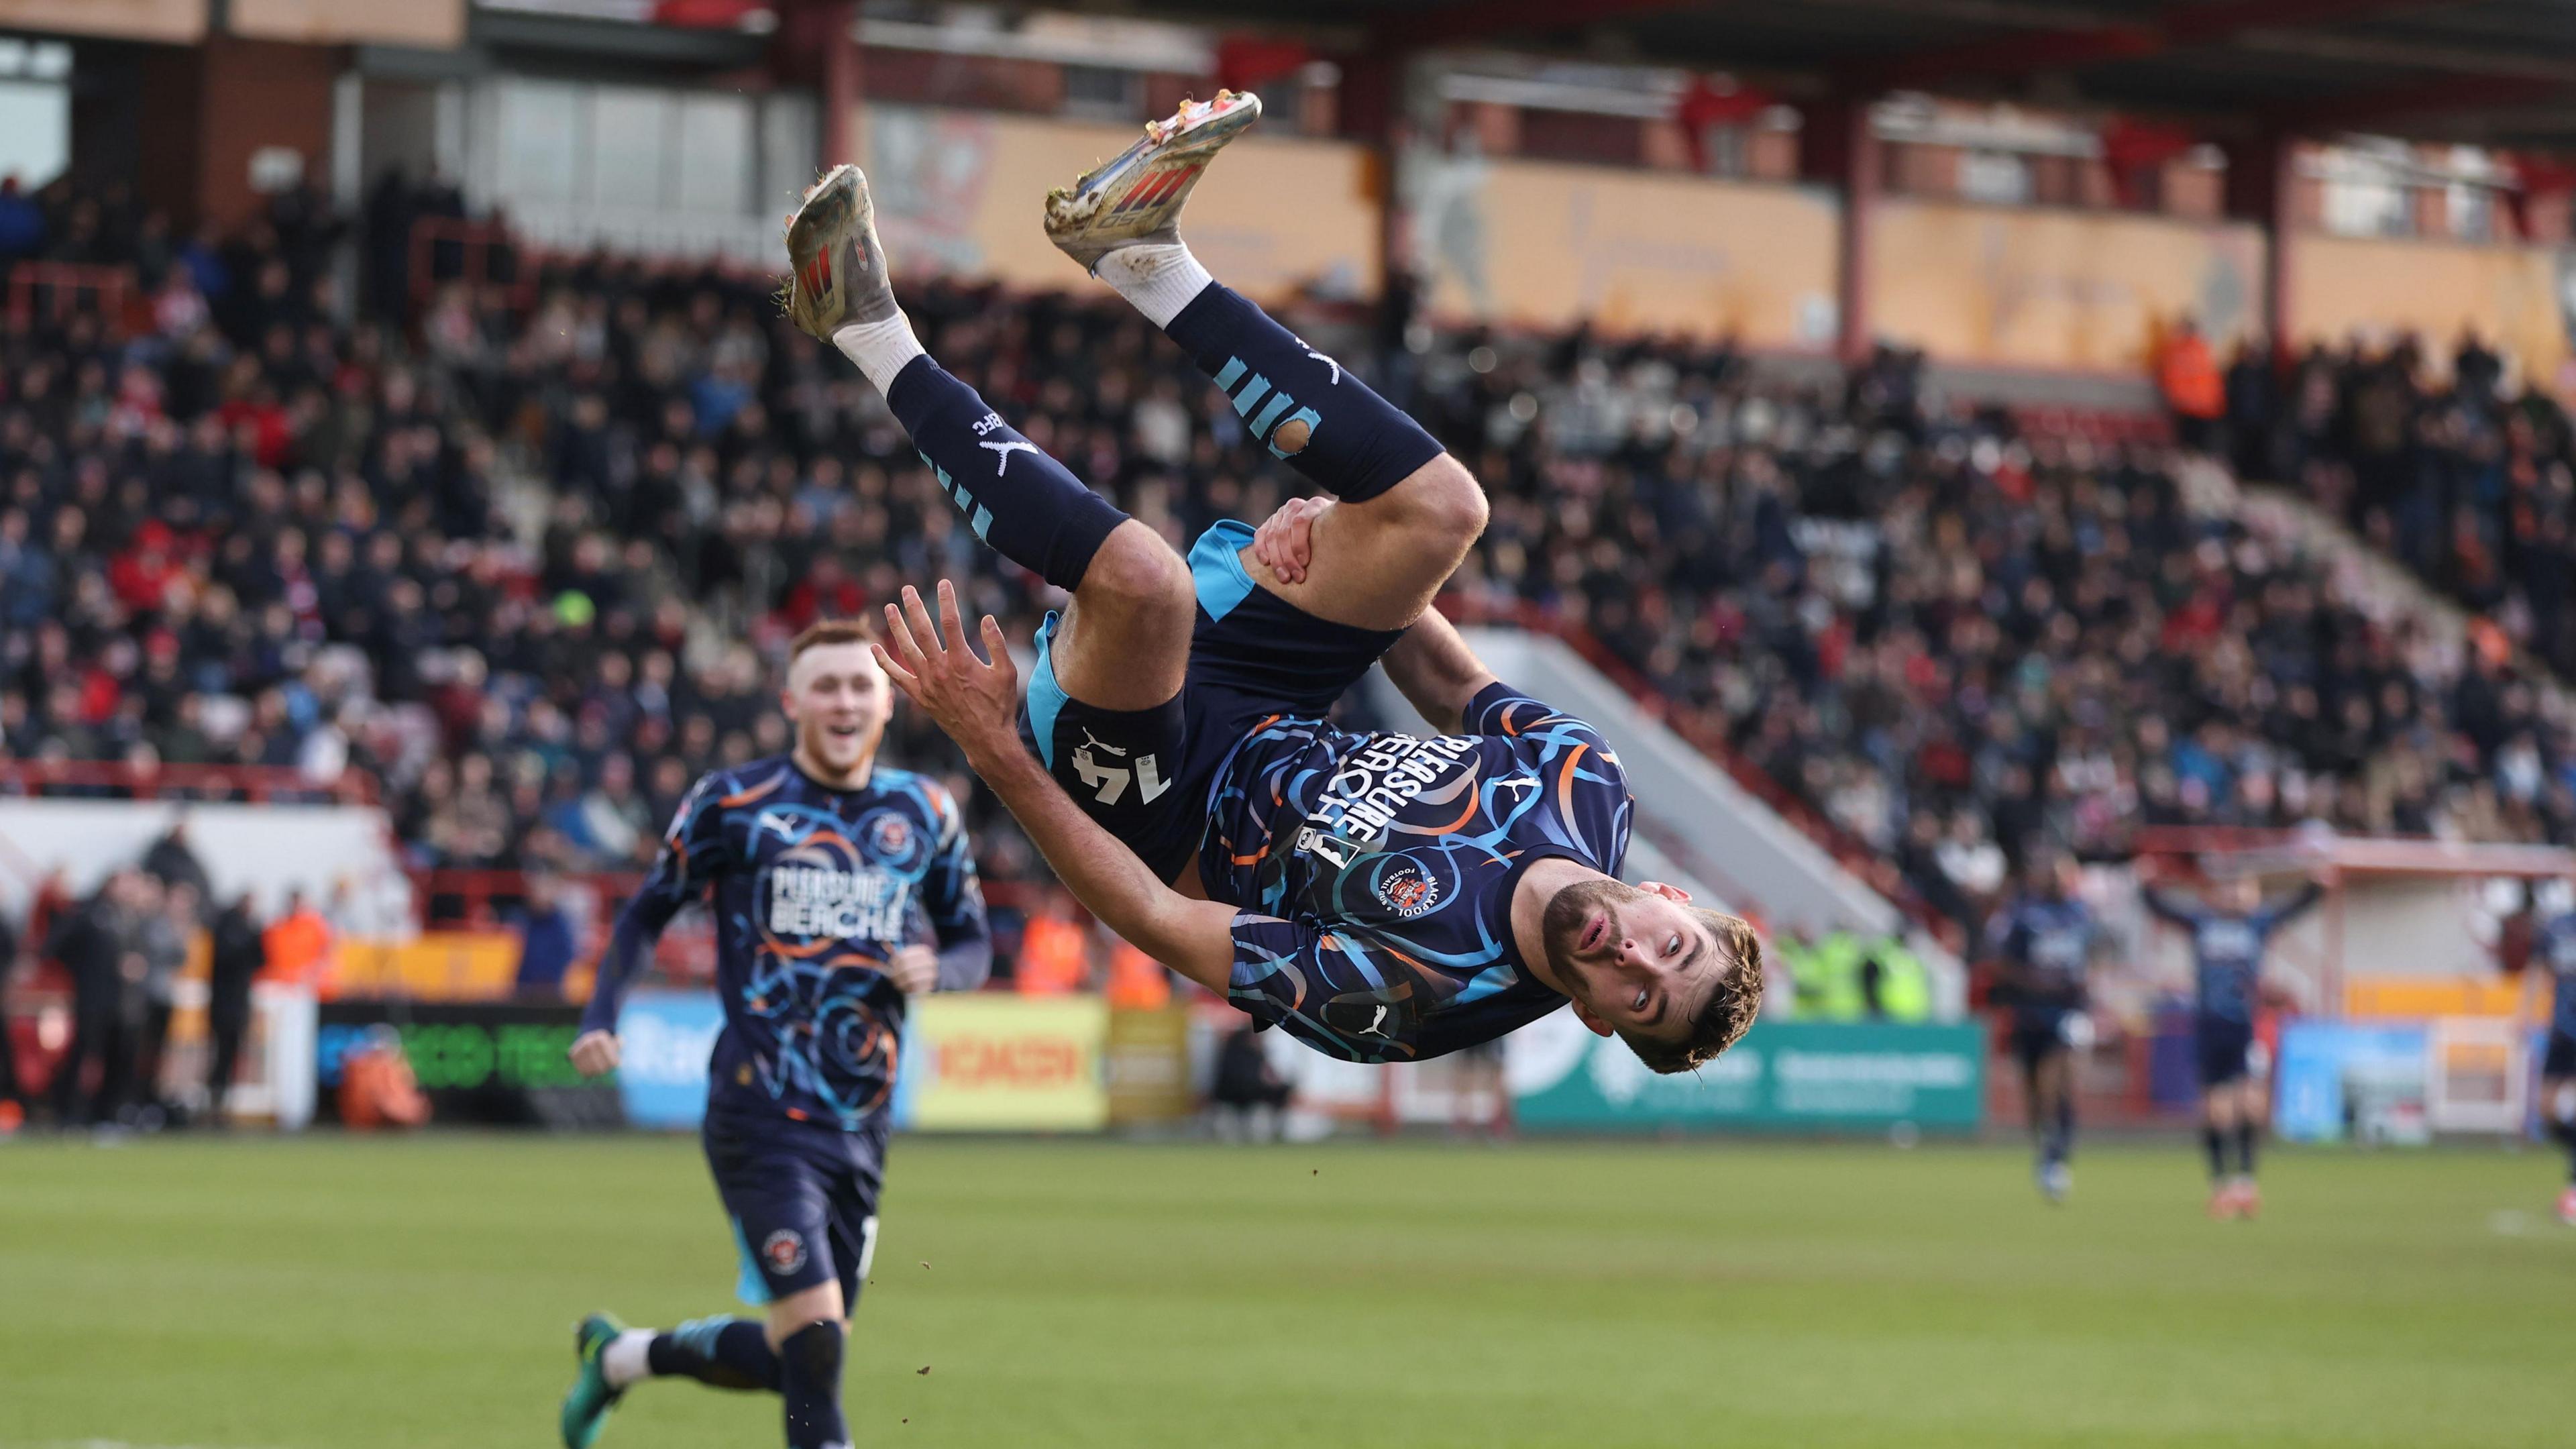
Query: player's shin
(2213, 1142)
(810, 1379)
(727, 1353)
(1299, 403)
(1028, 506)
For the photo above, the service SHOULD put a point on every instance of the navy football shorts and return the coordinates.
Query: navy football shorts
(803, 1200)
(2040, 1032)
(2224, 1049)
(2559, 1058)
(1144, 775)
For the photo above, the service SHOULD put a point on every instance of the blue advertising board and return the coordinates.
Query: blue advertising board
(664, 1039)
(1788, 1075)
(2323, 1064)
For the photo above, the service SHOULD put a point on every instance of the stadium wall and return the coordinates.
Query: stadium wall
(961, 191)
(326, 851)
(1548, 245)
(169, 21)
(2515, 297)
(2057, 289)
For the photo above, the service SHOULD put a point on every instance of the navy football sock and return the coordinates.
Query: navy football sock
(1300, 404)
(2216, 1146)
(2061, 1138)
(2245, 1148)
(730, 1353)
(810, 1379)
(1028, 506)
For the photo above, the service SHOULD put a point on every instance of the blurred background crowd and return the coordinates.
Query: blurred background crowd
(528, 571)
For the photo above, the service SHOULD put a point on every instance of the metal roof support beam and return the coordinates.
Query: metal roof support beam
(841, 82)
(2260, 190)
(1484, 19)
(1841, 147)
(2190, 25)
(2456, 95)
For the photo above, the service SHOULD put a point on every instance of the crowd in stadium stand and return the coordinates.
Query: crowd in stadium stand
(526, 560)
(2468, 475)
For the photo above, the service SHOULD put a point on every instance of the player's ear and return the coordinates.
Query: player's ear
(787, 703)
(1592, 1023)
(1672, 893)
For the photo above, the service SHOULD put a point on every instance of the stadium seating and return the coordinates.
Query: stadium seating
(2470, 478)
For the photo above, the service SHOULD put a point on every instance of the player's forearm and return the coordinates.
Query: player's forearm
(1436, 671)
(1103, 874)
(630, 945)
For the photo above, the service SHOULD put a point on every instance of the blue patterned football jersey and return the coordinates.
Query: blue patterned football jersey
(2051, 943)
(1374, 872)
(2227, 949)
(814, 888)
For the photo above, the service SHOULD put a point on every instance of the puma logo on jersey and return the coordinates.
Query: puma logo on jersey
(1003, 451)
(1377, 1023)
(787, 831)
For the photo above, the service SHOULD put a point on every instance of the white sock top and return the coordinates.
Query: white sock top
(879, 348)
(627, 1358)
(1159, 278)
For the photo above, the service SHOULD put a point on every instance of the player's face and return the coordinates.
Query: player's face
(1635, 959)
(2243, 893)
(838, 698)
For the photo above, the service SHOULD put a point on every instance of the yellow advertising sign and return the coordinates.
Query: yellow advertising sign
(988, 1062)
(2422, 998)
(2074, 290)
(1149, 1066)
(1548, 245)
(434, 966)
(962, 192)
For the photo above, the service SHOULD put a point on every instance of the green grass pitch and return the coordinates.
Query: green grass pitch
(331, 1293)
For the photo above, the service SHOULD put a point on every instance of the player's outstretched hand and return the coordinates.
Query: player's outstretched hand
(594, 1053)
(934, 666)
(1285, 541)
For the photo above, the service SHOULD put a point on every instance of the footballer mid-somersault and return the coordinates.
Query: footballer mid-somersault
(1381, 897)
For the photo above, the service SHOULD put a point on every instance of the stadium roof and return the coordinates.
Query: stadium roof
(2492, 72)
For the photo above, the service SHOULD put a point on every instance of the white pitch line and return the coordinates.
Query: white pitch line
(107, 1444)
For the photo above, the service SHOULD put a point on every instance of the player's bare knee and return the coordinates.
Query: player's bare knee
(1136, 573)
(1443, 501)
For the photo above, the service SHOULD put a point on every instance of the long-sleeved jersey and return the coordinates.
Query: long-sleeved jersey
(814, 889)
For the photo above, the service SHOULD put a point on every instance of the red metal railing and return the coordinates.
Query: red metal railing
(58, 287)
(477, 243)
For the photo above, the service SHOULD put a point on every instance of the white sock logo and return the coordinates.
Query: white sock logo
(1004, 450)
(1319, 357)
